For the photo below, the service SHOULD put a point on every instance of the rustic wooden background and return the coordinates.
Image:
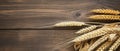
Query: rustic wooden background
(16, 15)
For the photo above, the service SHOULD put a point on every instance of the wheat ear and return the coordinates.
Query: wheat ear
(105, 17)
(106, 11)
(93, 34)
(69, 23)
(87, 29)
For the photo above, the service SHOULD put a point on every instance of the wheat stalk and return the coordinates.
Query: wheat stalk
(85, 48)
(115, 45)
(106, 45)
(77, 45)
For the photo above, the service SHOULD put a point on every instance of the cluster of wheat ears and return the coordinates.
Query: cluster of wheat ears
(96, 37)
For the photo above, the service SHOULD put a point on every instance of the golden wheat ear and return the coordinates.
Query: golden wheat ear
(86, 29)
(106, 11)
(65, 24)
(75, 23)
(105, 17)
(69, 23)
(93, 34)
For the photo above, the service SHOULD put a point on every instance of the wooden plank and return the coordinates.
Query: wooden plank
(33, 40)
(28, 17)
(41, 1)
(35, 14)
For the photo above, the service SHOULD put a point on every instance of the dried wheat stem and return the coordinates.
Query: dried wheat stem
(106, 11)
(93, 41)
(81, 45)
(105, 17)
(85, 48)
(115, 45)
(106, 45)
(77, 45)
(87, 29)
(98, 42)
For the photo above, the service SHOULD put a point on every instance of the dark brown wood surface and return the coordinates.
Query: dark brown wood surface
(38, 13)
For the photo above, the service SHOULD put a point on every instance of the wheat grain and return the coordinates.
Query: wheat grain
(105, 11)
(87, 29)
(105, 17)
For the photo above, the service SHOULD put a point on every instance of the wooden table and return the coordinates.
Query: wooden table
(20, 21)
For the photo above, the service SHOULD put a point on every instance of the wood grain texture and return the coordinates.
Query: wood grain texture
(38, 13)
(33, 15)
(32, 40)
